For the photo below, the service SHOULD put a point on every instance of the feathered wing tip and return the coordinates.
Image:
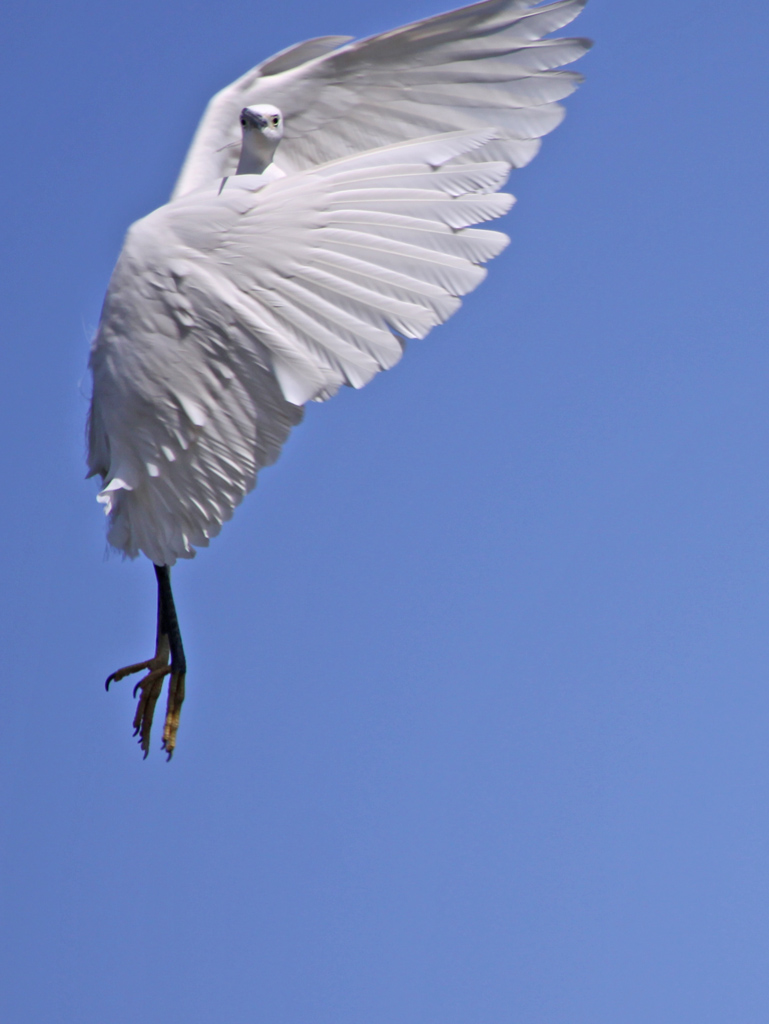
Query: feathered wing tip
(488, 63)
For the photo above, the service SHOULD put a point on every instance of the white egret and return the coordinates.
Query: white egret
(323, 215)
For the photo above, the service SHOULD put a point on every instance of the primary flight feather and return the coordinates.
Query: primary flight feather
(324, 214)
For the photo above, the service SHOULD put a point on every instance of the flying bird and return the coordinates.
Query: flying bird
(323, 216)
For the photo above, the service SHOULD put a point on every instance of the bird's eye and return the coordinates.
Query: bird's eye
(275, 121)
(243, 122)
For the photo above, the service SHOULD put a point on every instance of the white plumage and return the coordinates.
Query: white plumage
(250, 294)
(482, 66)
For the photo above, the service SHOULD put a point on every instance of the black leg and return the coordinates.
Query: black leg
(170, 622)
(167, 613)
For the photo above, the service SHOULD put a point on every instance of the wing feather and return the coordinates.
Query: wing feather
(234, 305)
(482, 65)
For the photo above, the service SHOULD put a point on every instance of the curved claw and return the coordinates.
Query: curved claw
(129, 670)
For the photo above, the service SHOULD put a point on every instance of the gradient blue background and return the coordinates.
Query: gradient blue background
(477, 728)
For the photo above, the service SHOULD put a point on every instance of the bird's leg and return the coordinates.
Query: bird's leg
(172, 633)
(168, 644)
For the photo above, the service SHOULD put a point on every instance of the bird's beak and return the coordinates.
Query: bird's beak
(255, 120)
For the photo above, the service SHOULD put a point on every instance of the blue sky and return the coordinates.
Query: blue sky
(477, 728)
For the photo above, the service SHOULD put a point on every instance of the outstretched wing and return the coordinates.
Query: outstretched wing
(232, 306)
(479, 66)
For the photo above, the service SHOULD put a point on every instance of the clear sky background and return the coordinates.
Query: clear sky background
(477, 728)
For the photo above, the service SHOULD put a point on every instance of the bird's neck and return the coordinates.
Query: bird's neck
(256, 154)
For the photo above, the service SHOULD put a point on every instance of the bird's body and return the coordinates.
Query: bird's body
(301, 256)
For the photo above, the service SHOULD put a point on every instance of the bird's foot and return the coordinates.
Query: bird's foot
(169, 660)
(149, 687)
(173, 710)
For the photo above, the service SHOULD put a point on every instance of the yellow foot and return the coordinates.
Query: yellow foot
(149, 687)
(173, 712)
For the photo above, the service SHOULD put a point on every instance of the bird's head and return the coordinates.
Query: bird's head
(262, 127)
